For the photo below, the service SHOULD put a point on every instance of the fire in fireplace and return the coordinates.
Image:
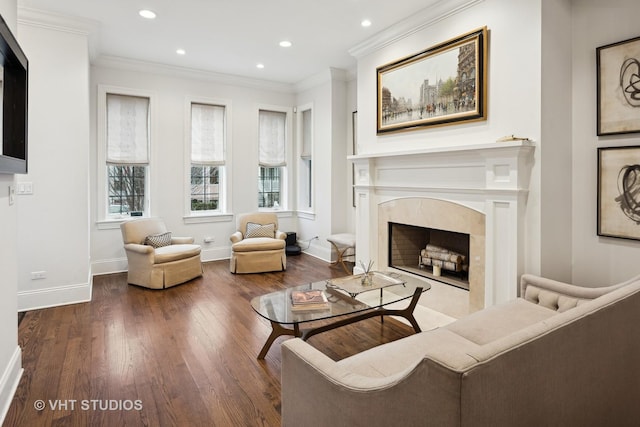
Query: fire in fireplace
(437, 254)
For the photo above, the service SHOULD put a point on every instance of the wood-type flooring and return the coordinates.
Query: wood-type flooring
(184, 356)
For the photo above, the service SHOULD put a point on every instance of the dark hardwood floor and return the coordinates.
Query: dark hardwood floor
(180, 356)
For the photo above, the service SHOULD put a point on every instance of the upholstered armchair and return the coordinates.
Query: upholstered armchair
(257, 246)
(156, 259)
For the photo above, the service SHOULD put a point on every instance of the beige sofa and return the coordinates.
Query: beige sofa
(562, 355)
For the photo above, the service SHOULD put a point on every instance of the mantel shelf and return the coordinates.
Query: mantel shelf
(480, 149)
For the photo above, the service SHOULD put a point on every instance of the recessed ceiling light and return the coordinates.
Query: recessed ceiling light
(261, 66)
(181, 52)
(148, 14)
(365, 23)
(285, 43)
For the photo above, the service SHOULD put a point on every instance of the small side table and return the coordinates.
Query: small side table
(345, 245)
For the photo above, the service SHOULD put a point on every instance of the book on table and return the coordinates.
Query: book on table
(313, 299)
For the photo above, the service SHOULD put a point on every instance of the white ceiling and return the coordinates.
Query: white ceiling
(232, 36)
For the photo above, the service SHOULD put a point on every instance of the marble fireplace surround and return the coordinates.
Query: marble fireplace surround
(443, 215)
(480, 190)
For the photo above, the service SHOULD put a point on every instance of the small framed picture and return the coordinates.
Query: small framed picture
(618, 75)
(619, 192)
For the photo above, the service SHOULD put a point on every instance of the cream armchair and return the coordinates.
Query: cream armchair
(156, 259)
(257, 246)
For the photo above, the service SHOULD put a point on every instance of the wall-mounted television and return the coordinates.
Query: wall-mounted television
(14, 70)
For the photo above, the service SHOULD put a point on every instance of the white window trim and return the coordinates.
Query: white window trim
(286, 187)
(225, 193)
(101, 174)
(299, 142)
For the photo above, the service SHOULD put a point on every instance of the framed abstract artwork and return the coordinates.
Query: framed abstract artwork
(619, 192)
(618, 91)
(444, 84)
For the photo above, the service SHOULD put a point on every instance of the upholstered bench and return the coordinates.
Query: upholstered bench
(345, 246)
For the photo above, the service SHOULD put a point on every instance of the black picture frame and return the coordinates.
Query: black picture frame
(618, 87)
(619, 192)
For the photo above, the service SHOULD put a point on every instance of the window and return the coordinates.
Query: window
(207, 156)
(269, 187)
(272, 158)
(127, 153)
(305, 174)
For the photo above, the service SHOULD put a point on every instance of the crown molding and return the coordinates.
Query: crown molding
(57, 22)
(425, 18)
(323, 77)
(128, 64)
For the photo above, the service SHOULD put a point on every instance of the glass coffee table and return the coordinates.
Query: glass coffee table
(349, 301)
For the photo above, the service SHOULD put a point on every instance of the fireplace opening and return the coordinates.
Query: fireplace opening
(436, 254)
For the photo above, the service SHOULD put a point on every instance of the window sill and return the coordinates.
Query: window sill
(113, 223)
(306, 215)
(282, 213)
(209, 217)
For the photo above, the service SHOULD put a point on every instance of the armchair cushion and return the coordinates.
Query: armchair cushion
(260, 230)
(158, 240)
(175, 253)
(258, 244)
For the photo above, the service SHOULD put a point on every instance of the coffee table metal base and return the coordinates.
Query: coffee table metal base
(279, 330)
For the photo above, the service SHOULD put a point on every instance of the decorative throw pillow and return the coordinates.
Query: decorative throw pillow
(158, 240)
(259, 230)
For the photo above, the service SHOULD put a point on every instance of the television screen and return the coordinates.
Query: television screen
(13, 90)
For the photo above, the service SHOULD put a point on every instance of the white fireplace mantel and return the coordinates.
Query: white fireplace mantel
(490, 178)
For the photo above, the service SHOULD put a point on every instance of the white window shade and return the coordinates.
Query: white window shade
(272, 138)
(127, 129)
(207, 134)
(306, 135)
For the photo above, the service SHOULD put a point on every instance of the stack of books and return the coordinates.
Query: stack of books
(313, 299)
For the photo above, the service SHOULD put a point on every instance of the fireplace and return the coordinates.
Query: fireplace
(479, 190)
(441, 255)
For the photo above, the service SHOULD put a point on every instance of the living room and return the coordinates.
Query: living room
(541, 84)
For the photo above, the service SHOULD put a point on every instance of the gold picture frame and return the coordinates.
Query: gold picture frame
(442, 85)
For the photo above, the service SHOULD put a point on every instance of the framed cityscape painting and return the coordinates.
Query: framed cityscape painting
(618, 75)
(444, 84)
(619, 192)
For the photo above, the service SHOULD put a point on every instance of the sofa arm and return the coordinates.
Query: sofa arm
(235, 237)
(182, 240)
(281, 235)
(317, 391)
(139, 256)
(138, 249)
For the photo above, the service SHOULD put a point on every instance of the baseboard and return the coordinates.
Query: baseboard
(52, 297)
(9, 382)
(109, 266)
(215, 254)
(319, 252)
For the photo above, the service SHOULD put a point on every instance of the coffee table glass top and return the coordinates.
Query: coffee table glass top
(346, 295)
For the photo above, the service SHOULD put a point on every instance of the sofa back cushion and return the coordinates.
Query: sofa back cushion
(498, 321)
(551, 300)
